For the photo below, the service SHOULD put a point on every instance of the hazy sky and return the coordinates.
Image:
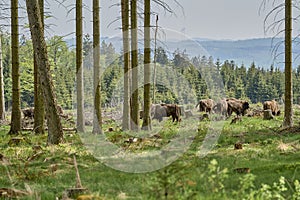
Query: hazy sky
(215, 19)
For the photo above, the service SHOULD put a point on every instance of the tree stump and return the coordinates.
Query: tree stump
(268, 115)
(242, 170)
(238, 146)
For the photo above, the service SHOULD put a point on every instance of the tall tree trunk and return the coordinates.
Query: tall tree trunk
(39, 108)
(97, 122)
(55, 132)
(288, 111)
(126, 54)
(2, 101)
(79, 67)
(154, 59)
(134, 65)
(147, 68)
(15, 126)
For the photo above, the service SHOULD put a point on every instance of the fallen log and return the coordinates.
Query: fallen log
(64, 129)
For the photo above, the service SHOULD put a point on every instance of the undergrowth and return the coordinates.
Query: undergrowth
(267, 166)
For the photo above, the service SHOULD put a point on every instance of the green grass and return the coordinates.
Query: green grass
(267, 151)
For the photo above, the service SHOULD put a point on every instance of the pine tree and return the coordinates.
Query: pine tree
(39, 108)
(55, 132)
(2, 100)
(125, 31)
(147, 67)
(97, 122)
(79, 68)
(134, 66)
(288, 110)
(15, 126)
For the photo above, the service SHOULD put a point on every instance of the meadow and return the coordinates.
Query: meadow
(250, 159)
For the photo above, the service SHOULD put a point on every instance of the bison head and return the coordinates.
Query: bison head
(245, 107)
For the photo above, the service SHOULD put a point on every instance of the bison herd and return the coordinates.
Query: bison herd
(224, 107)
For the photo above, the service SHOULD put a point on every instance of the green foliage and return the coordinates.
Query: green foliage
(204, 77)
(216, 177)
(170, 183)
(62, 60)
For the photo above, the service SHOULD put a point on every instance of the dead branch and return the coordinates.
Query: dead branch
(34, 156)
(78, 181)
(12, 193)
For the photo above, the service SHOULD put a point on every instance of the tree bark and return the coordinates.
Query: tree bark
(97, 122)
(39, 108)
(154, 60)
(288, 111)
(79, 67)
(147, 69)
(134, 65)
(55, 131)
(15, 127)
(126, 54)
(2, 100)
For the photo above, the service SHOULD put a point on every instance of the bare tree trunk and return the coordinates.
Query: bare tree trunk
(2, 101)
(125, 29)
(288, 111)
(15, 126)
(134, 65)
(154, 60)
(55, 131)
(147, 68)
(97, 123)
(39, 109)
(79, 67)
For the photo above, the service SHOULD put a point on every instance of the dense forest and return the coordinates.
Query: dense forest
(253, 83)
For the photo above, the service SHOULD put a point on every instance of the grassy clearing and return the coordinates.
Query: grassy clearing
(268, 154)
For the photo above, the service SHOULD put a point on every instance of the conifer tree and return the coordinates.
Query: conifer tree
(288, 104)
(39, 109)
(15, 126)
(79, 68)
(97, 122)
(147, 67)
(126, 54)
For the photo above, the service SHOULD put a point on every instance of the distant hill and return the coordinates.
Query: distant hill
(240, 51)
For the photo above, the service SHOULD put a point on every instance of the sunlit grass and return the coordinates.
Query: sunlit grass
(49, 170)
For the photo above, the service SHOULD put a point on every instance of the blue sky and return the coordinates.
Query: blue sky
(214, 19)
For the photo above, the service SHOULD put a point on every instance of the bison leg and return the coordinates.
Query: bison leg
(173, 117)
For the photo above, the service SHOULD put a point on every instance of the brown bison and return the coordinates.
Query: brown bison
(206, 105)
(273, 106)
(158, 111)
(221, 107)
(236, 105)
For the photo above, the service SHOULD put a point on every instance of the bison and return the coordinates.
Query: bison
(273, 106)
(158, 111)
(206, 105)
(236, 105)
(221, 107)
(173, 110)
